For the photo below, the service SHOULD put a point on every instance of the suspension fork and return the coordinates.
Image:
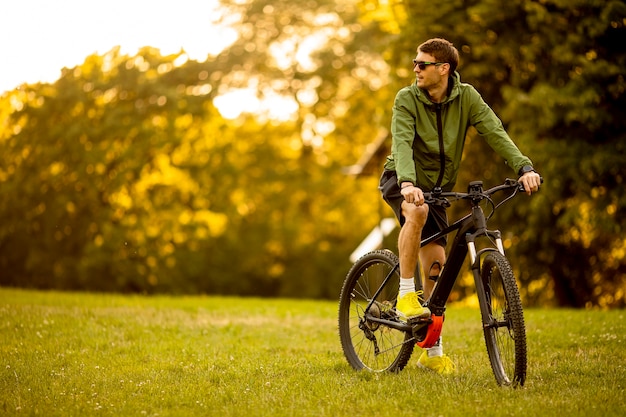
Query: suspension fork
(476, 256)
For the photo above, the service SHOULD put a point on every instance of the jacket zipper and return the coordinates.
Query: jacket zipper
(442, 155)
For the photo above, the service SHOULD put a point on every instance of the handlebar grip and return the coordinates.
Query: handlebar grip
(521, 186)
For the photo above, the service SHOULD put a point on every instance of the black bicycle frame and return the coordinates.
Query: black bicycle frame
(447, 279)
(469, 228)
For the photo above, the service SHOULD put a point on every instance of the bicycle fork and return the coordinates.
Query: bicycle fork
(476, 256)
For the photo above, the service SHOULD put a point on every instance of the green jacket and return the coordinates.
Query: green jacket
(419, 127)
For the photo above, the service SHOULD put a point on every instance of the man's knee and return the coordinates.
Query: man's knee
(415, 214)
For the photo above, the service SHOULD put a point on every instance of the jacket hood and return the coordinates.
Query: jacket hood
(453, 90)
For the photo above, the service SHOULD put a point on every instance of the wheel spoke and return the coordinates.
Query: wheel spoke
(367, 343)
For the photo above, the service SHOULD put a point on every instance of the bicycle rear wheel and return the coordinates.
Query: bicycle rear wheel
(505, 333)
(367, 344)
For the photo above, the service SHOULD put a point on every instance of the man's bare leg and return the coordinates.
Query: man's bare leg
(408, 304)
(410, 237)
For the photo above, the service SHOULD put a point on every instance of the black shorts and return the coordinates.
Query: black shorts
(437, 218)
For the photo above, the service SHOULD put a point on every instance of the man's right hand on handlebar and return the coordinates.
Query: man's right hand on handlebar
(412, 194)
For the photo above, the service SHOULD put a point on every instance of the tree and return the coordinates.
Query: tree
(84, 156)
(139, 184)
(580, 134)
(553, 70)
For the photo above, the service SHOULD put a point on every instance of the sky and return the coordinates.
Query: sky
(40, 37)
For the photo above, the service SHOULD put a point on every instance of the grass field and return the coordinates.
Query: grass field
(70, 354)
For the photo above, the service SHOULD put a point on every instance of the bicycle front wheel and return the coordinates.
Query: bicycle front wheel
(368, 344)
(505, 334)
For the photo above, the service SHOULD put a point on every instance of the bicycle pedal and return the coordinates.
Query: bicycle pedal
(419, 327)
(414, 321)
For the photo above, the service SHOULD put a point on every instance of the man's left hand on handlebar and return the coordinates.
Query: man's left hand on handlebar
(531, 182)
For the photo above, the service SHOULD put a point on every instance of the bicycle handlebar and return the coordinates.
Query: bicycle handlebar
(475, 193)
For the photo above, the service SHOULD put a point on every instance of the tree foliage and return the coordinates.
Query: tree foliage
(124, 175)
(554, 71)
(136, 173)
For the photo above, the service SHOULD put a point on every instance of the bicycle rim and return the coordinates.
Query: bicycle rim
(505, 334)
(366, 344)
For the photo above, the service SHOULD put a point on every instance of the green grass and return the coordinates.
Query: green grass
(68, 354)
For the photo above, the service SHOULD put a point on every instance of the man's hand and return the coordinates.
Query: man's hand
(531, 182)
(412, 194)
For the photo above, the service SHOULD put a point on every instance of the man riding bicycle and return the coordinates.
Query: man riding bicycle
(429, 124)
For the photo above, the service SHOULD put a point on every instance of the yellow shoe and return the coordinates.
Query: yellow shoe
(409, 307)
(443, 365)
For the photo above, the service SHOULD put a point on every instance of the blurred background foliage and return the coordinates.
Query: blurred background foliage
(155, 174)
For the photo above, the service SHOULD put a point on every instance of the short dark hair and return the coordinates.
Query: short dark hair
(442, 50)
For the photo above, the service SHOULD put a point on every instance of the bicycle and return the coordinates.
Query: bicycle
(374, 338)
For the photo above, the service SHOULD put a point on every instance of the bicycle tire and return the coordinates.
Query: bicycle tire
(365, 344)
(506, 340)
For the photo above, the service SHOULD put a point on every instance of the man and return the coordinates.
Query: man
(429, 124)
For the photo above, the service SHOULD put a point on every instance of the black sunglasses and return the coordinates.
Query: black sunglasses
(423, 64)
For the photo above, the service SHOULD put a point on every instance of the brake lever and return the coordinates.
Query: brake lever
(437, 201)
